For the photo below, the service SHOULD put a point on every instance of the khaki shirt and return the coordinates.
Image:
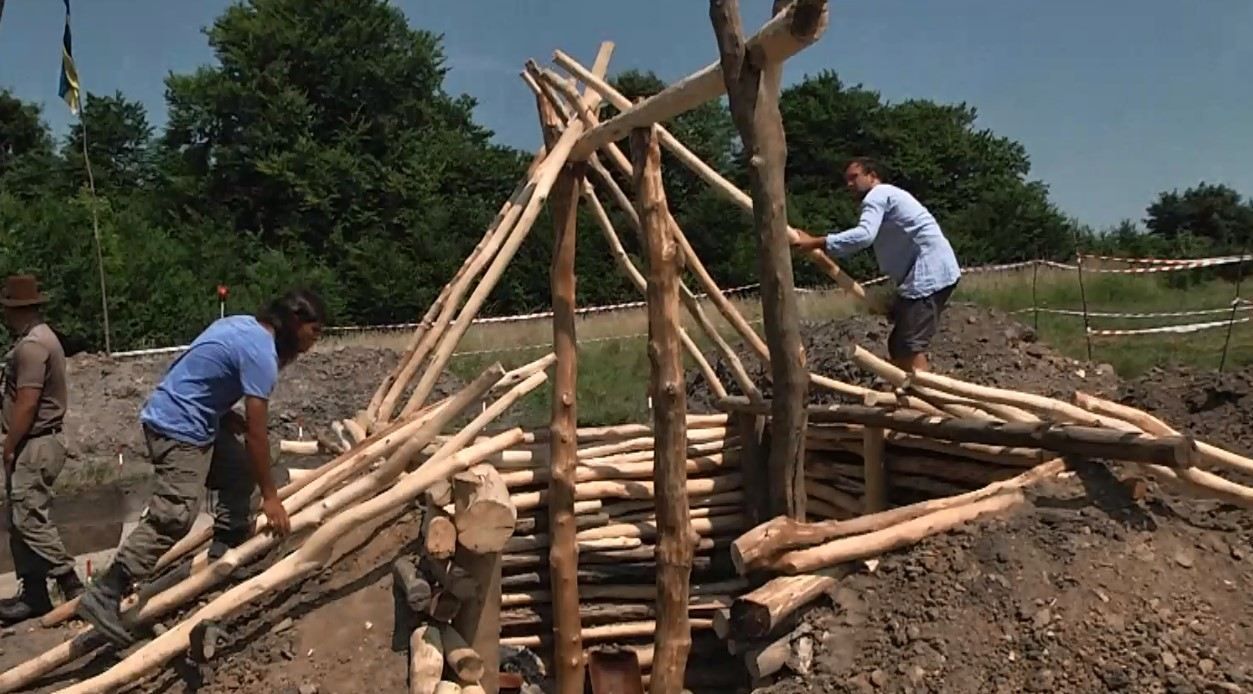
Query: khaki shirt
(37, 360)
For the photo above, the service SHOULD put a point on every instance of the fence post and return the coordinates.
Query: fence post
(1035, 302)
(1083, 297)
(1235, 307)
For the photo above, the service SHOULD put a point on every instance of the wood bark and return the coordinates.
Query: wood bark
(751, 430)
(426, 659)
(605, 632)
(410, 585)
(484, 517)
(754, 547)
(624, 592)
(752, 86)
(563, 554)
(673, 638)
(633, 467)
(632, 489)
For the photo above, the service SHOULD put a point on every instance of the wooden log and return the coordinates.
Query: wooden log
(450, 577)
(783, 36)
(873, 544)
(620, 510)
(538, 523)
(824, 509)
(606, 612)
(312, 555)
(563, 554)
(757, 614)
(484, 517)
(711, 176)
(699, 511)
(443, 606)
(672, 638)
(876, 498)
(1196, 481)
(590, 471)
(605, 632)
(409, 585)
(752, 88)
(633, 274)
(1085, 441)
(754, 457)
(1000, 455)
(439, 533)
(463, 660)
(447, 687)
(298, 447)
(614, 489)
(796, 647)
(752, 548)
(545, 176)
(624, 592)
(837, 499)
(426, 659)
(609, 555)
(694, 308)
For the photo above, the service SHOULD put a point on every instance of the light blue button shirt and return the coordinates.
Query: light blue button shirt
(907, 242)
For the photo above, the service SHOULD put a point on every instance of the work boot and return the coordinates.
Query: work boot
(227, 539)
(69, 583)
(101, 605)
(31, 601)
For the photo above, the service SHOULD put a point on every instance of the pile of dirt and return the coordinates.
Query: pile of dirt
(975, 344)
(1211, 406)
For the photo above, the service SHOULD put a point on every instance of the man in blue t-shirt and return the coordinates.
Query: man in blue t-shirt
(191, 430)
(911, 250)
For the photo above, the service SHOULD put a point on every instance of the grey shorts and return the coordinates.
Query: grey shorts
(914, 322)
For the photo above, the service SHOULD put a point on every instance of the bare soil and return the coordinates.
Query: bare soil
(1086, 588)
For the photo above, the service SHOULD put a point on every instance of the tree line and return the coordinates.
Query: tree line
(321, 148)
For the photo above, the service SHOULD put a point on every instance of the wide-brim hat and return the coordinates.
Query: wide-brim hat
(21, 290)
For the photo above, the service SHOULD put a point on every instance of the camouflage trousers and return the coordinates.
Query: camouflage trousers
(33, 538)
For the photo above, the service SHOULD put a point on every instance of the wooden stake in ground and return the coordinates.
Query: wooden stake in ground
(673, 639)
(752, 85)
(563, 553)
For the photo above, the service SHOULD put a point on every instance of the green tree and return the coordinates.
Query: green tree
(1205, 218)
(118, 139)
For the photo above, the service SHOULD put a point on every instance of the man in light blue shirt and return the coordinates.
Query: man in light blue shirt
(191, 431)
(910, 248)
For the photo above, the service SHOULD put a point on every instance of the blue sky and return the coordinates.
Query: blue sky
(1114, 100)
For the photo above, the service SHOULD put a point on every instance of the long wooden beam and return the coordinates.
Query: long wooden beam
(1086, 441)
(782, 37)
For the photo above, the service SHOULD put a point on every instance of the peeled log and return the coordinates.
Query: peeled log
(426, 660)
(902, 535)
(463, 660)
(779, 534)
(439, 533)
(485, 518)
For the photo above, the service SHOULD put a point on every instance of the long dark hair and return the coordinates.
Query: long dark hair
(286, 314)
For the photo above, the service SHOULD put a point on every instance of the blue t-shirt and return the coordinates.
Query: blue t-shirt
(234, 357)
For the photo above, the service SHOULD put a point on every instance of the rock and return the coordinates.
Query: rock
(861, 683)
(308, 689)
(282, 626)
(1042, 681)
(1042, 618)
(879, 679)
(1184, 559)
(1207, 666)
(1114, 676)
(1105, 369)
(1169, 660)
(913, 632)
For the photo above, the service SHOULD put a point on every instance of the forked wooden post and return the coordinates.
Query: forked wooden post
(752, 83)
(563, 551)
(673, 638)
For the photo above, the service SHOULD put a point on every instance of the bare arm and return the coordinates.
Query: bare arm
(256, 442)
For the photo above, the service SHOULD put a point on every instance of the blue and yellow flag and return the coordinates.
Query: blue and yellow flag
(69, 73)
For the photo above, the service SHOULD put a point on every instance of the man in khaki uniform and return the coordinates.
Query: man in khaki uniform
(34, 402)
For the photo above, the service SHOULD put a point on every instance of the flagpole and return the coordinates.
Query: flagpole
(95, 229)
(71, 90)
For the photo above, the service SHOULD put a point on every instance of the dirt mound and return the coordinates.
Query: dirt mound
(1211, 406)
(975, 344)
